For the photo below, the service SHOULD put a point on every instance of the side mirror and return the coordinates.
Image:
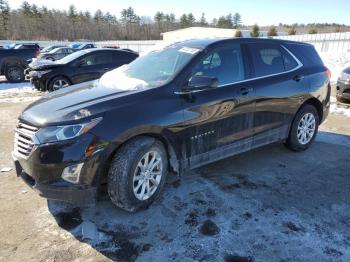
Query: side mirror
(201, 83)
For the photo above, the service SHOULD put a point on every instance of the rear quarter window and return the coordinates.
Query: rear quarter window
(307, 54)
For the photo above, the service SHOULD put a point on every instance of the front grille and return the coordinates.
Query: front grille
(24, 142)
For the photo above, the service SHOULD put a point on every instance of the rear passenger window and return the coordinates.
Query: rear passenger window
(224, 63)
(267, 59)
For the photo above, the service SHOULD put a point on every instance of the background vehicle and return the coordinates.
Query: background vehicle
(343, 86)
(27, 46)
(51, 47)
(174, 109)
(80, 46)
(57, 53)
(14, 61)
(81, 66)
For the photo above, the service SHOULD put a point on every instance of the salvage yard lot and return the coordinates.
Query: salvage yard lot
(269, 204)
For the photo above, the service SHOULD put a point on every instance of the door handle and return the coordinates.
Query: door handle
(245, 91)
(298, 78)
(105, 69)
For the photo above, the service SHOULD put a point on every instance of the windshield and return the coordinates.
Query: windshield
(159, 67)
(71, 57)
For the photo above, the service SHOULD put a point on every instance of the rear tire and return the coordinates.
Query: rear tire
(304, 129)
(137, 174)
(14, 73)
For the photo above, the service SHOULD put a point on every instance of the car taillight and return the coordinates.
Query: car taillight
(37, 53)
(328, 73)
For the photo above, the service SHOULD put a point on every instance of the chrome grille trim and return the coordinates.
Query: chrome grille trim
(24, 139)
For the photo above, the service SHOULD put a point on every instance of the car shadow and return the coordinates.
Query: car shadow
(231, 209)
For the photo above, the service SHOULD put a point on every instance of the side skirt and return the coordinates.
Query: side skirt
(259, 140)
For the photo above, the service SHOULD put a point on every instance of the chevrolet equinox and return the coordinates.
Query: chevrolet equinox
(173, 109)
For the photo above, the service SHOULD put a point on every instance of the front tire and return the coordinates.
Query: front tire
(304, 129)
(14, 73)
(58, 82)
(137, 174)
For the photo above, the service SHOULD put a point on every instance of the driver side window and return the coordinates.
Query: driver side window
(224, 63)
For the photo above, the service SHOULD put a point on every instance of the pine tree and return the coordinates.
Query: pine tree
(272, 31)
(237, 20)
(203, 21)
(255, 31)
(191, 19)
(238, 33)
(184, 21)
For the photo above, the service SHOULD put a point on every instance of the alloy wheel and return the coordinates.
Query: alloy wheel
(60, 83)
(147, 175)
(15, 73)
(306, 128)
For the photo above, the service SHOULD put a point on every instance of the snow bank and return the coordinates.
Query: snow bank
(336, 62)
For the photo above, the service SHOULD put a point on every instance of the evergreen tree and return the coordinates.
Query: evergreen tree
(184, 21)
(237, 20)
(191, 19)
(238, 33)
(203, 20)
(272, 31)
(255, 31)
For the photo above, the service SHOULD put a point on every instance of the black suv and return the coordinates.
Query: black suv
(173, 109)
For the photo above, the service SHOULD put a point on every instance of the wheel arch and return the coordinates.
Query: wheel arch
(49, 81)
(173, 159)
(11, 61)
(317, 104)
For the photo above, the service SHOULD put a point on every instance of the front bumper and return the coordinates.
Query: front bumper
(343, 90)
(61, 191)
(42, 170)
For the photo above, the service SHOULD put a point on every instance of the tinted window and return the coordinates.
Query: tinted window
(98, 58)
(305, 53)
(123, 56)
(225, 63)
(288, 60)
(267, 59)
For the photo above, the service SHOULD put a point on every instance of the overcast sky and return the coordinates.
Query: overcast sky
(263, 12)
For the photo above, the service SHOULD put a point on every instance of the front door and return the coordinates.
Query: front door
(219, 122)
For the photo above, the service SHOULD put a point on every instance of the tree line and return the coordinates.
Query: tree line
(31, 22)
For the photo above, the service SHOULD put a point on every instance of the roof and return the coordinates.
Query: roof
(204, 43)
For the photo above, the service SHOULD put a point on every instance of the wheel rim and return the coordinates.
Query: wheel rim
(14, 73)
(306, 128)
(147, 175)
(60, 83)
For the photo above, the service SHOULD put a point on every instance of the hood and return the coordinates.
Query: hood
(74, 103)
(42, 64)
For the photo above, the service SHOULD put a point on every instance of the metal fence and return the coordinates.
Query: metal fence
(331, 42)
(339, 42)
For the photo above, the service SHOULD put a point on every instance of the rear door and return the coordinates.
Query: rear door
(92, 66)
(279, 84)
(219, 122)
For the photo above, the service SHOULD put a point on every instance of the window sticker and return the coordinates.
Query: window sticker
(189, 50)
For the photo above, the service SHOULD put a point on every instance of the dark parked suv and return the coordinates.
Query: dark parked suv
(174, 109)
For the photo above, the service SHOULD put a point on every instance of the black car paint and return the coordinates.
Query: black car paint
(196, 128)
(75, 73)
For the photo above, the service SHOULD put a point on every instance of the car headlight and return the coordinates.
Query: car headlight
(60, 133)
(344, 77)
(39, 74)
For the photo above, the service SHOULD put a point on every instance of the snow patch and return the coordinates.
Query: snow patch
(336, 62)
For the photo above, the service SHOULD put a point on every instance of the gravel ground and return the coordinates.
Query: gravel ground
(269, 204)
